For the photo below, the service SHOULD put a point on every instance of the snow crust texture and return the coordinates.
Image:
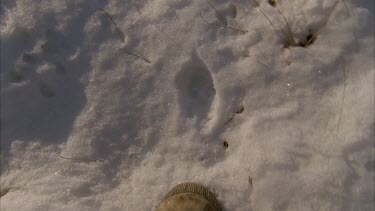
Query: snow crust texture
(108, 104)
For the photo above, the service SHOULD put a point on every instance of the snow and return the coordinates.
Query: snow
(87, 126)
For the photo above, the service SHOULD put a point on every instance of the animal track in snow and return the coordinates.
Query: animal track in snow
(15, 77)
(46, 90)
(196, 89)
(59, 68)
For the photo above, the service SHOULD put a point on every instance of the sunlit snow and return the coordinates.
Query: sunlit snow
(108, 104)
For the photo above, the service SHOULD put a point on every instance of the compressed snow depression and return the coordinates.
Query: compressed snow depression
(86, 125)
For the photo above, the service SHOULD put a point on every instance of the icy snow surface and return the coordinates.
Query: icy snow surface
(85, 125)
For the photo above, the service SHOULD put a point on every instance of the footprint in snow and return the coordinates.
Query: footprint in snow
(195, 87)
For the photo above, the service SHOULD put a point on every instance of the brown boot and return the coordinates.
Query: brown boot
(189, 197)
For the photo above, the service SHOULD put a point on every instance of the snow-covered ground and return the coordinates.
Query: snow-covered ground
(85, 125)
